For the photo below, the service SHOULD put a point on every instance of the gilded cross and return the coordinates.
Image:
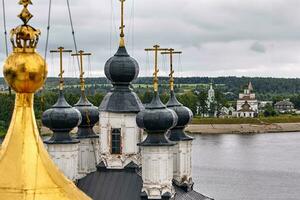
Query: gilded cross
(156, 49)
(122, 42)
(171, 52)
(61, 50)
(81, 53)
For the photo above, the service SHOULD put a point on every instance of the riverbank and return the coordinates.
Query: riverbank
(258, 120)
(224, 128)
(243, 128)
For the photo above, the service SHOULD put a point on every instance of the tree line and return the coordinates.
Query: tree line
(265, 88)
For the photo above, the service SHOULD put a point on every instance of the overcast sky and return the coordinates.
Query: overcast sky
(217, 37)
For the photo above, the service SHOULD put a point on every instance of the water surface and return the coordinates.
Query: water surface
(247, 167)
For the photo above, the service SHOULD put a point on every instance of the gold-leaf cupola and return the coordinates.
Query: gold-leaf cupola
(26, 170)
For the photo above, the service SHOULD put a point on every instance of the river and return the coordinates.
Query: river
(247, 167)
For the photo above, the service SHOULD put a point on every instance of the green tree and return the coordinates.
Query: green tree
(296, 101)
(220, 101)
(269, 110)
(189, 100)
(202, 98)
(147, 96)
(6, 110)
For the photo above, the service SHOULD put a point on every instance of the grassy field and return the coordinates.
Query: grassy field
(259, 120)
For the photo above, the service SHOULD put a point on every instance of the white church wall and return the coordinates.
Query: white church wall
(157, 173)
(130, 137)
(65, 156)
(88, 156)
(182, 167)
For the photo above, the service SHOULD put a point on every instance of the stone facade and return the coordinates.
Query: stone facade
(131, 135)
(65, 156)
(157, 173)
(88, 156)
(182, 168)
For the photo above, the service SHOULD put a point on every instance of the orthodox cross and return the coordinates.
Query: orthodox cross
(171, 52)
(61, 50)
(122, 42)
(156, 49)
(81, 54)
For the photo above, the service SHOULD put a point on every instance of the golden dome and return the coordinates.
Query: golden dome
(25, 72)
(26, 169)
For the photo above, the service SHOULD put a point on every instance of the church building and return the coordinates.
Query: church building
(247, 104)
(211, 102)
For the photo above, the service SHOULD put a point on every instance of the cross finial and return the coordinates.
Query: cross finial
(156, 49)
(61, 50)
(122, 35)
(81, 53)
(171, 52)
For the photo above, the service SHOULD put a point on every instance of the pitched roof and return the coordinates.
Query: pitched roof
(123, 184)
(246, 108)
(284, 103)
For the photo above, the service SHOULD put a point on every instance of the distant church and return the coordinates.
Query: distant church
(247, 104)
(211, 102)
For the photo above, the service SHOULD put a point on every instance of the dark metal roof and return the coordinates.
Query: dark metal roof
(156, 119)
(123, 184)
(61, 118)
(185, 116)
(90, 116)
(121, 100)
(121, 69)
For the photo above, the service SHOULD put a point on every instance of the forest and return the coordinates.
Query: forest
(190, 92)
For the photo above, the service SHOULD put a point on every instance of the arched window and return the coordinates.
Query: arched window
(116, 141)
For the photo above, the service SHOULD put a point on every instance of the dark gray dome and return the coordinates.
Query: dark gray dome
(185, 115)
(156, 119)
(90, 116)
(61, 118)
(121, 68)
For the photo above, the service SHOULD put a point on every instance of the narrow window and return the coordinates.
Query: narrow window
(116, 141)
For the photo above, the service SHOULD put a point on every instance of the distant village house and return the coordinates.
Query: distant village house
(284, 106)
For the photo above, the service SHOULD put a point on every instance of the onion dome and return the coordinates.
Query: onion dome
(185, 116)
(90, 116)
(61, 118)
(121, 70)
(156, 119)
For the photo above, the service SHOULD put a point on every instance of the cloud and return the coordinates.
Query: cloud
(258, 47)
(217, 37)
